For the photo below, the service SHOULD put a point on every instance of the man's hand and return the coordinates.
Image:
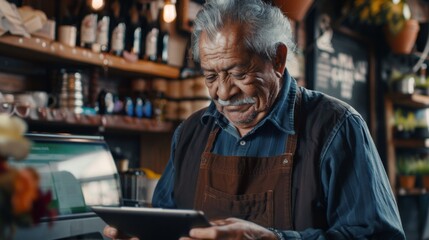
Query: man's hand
(231, 228)
(113, 233)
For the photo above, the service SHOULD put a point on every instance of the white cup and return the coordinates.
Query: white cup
(25, 99)
(24, 104)
(42, 98)
(67, 35)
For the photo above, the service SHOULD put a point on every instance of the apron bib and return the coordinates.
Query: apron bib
(257, 189)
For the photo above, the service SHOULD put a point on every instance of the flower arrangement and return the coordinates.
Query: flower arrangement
(22, 203)
(393, 13)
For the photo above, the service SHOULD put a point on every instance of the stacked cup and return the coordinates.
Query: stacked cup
(71, 91)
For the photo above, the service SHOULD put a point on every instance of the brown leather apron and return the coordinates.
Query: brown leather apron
(257, 189)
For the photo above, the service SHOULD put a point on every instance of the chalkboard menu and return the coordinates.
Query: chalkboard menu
(342, 70)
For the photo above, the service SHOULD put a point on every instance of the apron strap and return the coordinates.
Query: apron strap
(293, 139)
(211, 139)
(290, 152)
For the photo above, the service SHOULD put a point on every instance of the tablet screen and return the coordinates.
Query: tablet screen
(152, 223)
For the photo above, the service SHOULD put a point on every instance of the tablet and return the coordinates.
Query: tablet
(152, 223)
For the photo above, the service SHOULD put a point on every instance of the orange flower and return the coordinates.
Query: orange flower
(25, 192)
(3, 165)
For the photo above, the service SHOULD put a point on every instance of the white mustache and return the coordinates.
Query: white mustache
(236, 102)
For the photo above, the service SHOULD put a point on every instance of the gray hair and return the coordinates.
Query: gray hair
(266, 26)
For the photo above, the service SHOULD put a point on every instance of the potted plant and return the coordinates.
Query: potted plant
(404, 123)
(422, 168)
(406, 173)
(400, 30)
(421, 127)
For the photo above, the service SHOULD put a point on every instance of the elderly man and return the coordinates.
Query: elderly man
(268, 159)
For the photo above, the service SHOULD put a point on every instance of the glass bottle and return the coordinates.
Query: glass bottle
(118, 28)
(163, 38)
(68, 22)
(129, 107)
(159, 104)
(88, 26)
(134, 31)
(102, 36)
(143, 9)
(151, 43)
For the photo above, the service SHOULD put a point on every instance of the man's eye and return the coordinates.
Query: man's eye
(210, 77)
(239, 76)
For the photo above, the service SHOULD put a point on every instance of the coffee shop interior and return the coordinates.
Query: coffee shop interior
(102, 84)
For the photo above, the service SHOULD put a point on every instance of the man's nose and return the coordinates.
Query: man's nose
(224, 87)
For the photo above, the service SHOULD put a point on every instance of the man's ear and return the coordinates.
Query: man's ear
(279, 62)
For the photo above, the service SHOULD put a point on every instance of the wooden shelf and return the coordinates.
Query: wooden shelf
(411, 192)
(58, 118)
(411, 143)
(51, 51)
(410, 100)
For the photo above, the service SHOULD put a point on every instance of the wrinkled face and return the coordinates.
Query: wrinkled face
(243, 85)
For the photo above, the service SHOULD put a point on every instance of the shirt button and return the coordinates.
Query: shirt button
(242, 143)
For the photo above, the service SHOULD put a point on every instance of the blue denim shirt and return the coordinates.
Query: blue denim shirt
(359, 203)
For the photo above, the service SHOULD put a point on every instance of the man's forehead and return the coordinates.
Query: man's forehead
(213, 42)
(229, 33)
(221, 42)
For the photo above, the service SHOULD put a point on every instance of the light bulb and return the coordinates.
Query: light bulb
(169, 12)
(406, 12)
(97, 4)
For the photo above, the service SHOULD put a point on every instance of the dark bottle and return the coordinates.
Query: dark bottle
(69, 13)
(159, 104)
(69, 16)
(118, 28)
(118, 105)
(120, 159)
(102, 36)
(163, 38)
(143, 107)
(151, 42)
(88, 26)
(139, 107)
(129, 107)
(148, 106)
(134, 31)
(163, 47)
(105, 102)
(143, 9)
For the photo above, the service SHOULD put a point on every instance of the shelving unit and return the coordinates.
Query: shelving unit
(51, 51)
(147, 139)
(405, 100)
(42, 50)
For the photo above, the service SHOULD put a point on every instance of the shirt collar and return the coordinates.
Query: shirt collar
(281, 115)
